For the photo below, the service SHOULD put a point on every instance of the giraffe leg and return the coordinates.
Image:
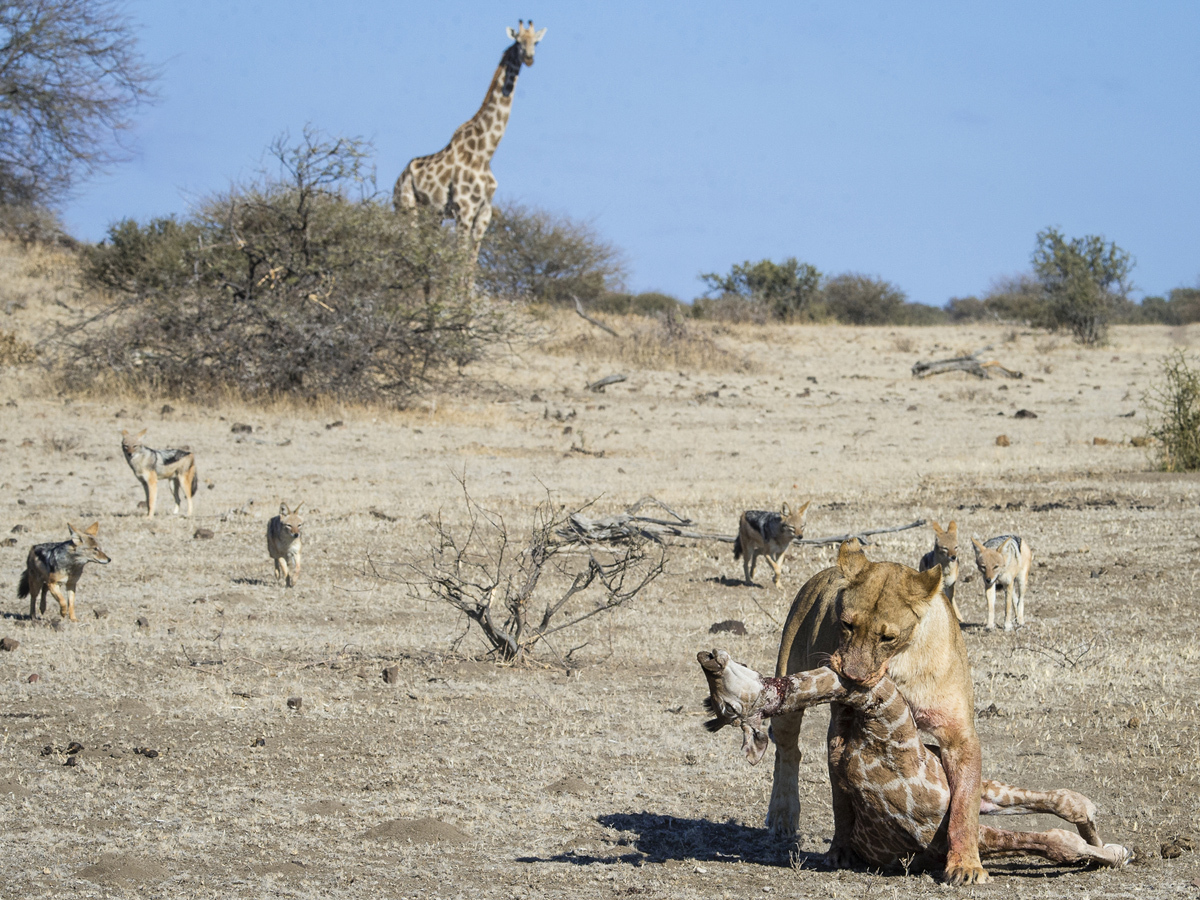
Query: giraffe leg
(1056, 844)
(1001, 799)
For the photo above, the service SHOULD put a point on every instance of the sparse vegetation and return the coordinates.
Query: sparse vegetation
(1174, 409)
(516, 593)
(14, 351)
(300, 283)
(1085, 282)
(534, 255)
(788, 291)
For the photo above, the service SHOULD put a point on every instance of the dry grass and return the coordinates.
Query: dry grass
(465, 778)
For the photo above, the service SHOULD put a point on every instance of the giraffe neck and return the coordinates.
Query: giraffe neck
(487, 126)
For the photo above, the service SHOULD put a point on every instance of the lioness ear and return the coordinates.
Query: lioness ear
(926, 586)
(851, 559)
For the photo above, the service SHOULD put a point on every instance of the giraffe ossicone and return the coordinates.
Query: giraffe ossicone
(457, 181)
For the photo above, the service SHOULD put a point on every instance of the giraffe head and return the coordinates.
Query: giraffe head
(878, 610)
(526, 38)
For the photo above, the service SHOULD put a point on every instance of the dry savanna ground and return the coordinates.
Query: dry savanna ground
(594, 779)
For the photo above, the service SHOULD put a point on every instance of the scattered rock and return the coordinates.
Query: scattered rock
(34, 678)
(241, 428)
(17, 529)
(1024, 414)
(733, 626)
(338, 424)
(8, 645)
(1134, 722)
(691, 759)
(535, 397)
(1100, 442)
(1171, 850)
(100, 612)
(8, 542)
(418, 831)
(142, 622)
(142, 505)
(571, 784)
(48, 750)
(391, 674)
(380, 514)
(1003, 441)
(203, 534)
(73, 748)
(167, 409)
(992, 712)
(1140, 441)
(259, 742)
(1096, 573)
(295, 702)
(72, 761)
(146, 752)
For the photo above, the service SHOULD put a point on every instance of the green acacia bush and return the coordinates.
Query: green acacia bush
(301, 283)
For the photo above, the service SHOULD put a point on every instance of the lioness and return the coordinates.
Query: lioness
(872, 619)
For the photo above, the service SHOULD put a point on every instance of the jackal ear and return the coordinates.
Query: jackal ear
(92, 529)
(804, 509)
(851, 559)
(979, 548)
(283, 510)
(142, 433)
(952, 529)
(296, 508)
(934, 525)
(72, 529)
(785, 511)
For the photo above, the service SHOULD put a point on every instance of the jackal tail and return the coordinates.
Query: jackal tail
(737, 547)
(23, 585)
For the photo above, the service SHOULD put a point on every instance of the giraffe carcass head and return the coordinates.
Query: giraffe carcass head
(527, 38)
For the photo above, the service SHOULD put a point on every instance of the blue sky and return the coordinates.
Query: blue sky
(925, 143)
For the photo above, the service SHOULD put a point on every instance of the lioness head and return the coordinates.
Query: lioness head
(877, 610)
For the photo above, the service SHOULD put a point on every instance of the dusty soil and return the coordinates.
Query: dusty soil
(465, 778)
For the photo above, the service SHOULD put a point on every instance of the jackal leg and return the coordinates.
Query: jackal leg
(776, 564)
(63, 607)
(990, 593)
(749, 561)
(293, 569)
(783, 813)
(1056, 844)
(1010, 603)
(1001, 799)
(949, 589)
(1022, 584)
(150, 483)
(281, 568)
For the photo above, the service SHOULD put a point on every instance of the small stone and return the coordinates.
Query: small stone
(146, 752)
(48, 750)
(1140, 441)
(72, 761)
(1171, 850)
(1003, 441)
(17, 529)
(100, 612)
(73, 748)
(690, 759)
(259, 742)
(733, 626)
(1024, 414)
(338, 424)
(535, 397)
(167, 409)
(203, 534)
(8, 645)
(1134, 722)
(241, 428)
(391, 674)
(142, 622)
(34, 678)
(8, 542)
(295, 702)
(1100, 442)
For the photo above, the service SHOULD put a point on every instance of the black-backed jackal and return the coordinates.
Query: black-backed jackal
(283, 542)
(769, 534)
(49, 565)
(149, 465)
(1004, 560)
(944, 554)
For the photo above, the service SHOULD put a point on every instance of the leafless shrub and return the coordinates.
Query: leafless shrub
(59, 443)
(520, 595)
(1075, 652)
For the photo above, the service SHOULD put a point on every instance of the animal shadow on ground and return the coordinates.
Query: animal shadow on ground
(726, 581)
(657, 839)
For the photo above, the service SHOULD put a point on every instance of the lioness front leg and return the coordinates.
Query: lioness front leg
(962, 759)
(783, 813)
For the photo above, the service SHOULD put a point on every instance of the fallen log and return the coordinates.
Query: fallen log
(597, 387)
(589, 319)
(970, 364)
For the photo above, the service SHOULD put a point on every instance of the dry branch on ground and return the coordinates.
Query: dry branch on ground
(971, 364)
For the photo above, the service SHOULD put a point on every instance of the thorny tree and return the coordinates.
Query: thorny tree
(514, 592)
(69, 75)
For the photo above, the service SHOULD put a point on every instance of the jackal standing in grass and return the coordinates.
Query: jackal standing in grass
(51, 564)
(769, 534)
(283, 542)
(1004, 560)
(149, 465)
(944, 554)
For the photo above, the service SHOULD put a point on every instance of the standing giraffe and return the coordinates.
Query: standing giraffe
(458, 179)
